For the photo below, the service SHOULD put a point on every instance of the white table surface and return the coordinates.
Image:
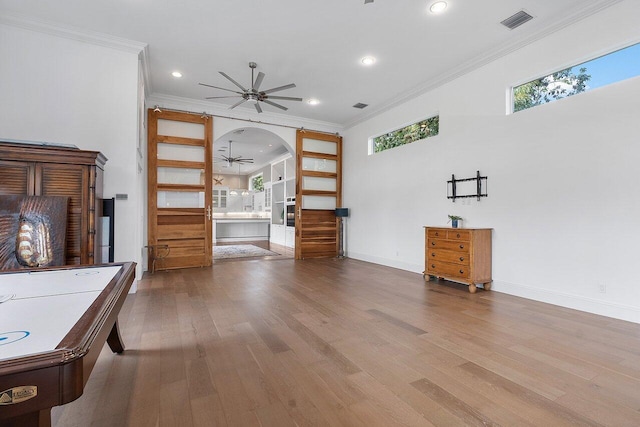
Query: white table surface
(45, 305)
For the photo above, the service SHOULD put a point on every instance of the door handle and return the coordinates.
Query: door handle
(299, 213)
(209, 212)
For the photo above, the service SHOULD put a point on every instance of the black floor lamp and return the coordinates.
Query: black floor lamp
(341, 213)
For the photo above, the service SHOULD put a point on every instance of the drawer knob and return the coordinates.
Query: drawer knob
(461, 272)
(461, 246)
(458, 235)
(433, 254)
(461, 258)
(433, 266)
(437, 233)
(433, 243)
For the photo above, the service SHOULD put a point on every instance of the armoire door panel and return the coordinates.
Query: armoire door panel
(70, 181)
(16, 178)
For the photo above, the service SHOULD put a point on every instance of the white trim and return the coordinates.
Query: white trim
(567, 300)
(482, 59)
(576, 302)
(54, 29)
(241, 113)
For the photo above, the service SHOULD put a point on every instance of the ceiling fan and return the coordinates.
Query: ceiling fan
(253, 93)
(230, 159)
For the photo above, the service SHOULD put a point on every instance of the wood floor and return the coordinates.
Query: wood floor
(348, 343)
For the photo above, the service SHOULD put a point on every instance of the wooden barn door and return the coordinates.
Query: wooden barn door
(179, 190)
(318, 193)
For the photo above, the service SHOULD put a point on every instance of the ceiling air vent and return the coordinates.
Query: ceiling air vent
(516, 20)
(360, 105)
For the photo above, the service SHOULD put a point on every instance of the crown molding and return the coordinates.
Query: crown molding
(54, 29)
(145, 62)
(240, 113)
(484, 59)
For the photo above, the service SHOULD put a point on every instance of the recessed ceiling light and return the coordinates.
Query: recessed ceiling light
(438, 7)
(313, 101)
(176, 74)
(368, 60)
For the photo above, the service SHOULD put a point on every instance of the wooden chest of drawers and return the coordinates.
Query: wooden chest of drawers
(459, 254)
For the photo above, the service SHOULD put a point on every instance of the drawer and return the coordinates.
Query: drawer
(461, 235)
(446, 269)
(437, 233)
(451, 245)
(455, 257)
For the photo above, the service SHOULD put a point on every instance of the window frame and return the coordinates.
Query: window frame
(600, 53)
(371, 142)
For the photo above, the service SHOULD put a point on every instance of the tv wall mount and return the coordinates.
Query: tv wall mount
(480, 187)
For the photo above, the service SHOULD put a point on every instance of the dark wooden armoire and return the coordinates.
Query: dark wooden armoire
(49, 170)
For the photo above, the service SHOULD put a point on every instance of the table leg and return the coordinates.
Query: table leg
(115, 342)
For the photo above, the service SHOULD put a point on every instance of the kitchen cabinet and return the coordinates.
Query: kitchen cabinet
(459, 254)
(219, 199)
(50, 170)
(290, 237)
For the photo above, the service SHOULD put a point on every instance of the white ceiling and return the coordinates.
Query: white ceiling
(317, 45)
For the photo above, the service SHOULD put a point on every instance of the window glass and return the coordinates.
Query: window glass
(613, 67)
(257, 183)
(406, 135)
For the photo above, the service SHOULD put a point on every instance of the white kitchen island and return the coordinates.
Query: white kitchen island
(239, 227)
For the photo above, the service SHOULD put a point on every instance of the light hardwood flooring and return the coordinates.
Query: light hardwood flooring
(348, 343)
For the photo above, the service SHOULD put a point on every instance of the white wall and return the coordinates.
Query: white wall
(562, 178)
(57, 89)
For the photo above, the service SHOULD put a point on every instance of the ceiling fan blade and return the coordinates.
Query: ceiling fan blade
(235, 105)
(276, 89)
(219, 97)
(285, 98)
(233, 81)
(276, 105)
(216, 87)
(258, 109)
(258, 82)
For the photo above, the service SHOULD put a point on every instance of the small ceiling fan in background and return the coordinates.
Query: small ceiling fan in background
(253, 93)
(230, 159)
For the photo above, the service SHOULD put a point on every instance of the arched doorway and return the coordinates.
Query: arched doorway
(253, 174)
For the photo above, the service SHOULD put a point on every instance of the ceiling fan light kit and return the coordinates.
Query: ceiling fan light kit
(253, 94)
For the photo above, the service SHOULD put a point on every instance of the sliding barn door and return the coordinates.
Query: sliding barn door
(318, 193)
(179, 189)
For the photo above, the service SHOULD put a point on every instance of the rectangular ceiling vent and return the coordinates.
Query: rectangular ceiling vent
(360, 105)
(516, 20)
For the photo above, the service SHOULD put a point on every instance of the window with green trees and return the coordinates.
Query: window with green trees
(613, 67)
(257, 183)
(406, 135)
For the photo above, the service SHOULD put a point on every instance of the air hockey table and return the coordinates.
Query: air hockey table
(53, 325)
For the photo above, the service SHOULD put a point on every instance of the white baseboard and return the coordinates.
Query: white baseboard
(576, 302)
(387, 262)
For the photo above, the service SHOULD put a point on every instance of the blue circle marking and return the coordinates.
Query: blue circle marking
(87, 273)
(12, 336)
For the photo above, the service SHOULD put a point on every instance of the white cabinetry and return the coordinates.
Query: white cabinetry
(220, 195)
(277, 234)
(283, 191)
(290, 237)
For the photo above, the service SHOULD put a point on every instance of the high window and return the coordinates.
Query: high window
(613, 67)
(257, 183)
(406, 135)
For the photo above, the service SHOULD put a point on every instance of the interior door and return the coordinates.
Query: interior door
(318, 193)
(179, 190)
